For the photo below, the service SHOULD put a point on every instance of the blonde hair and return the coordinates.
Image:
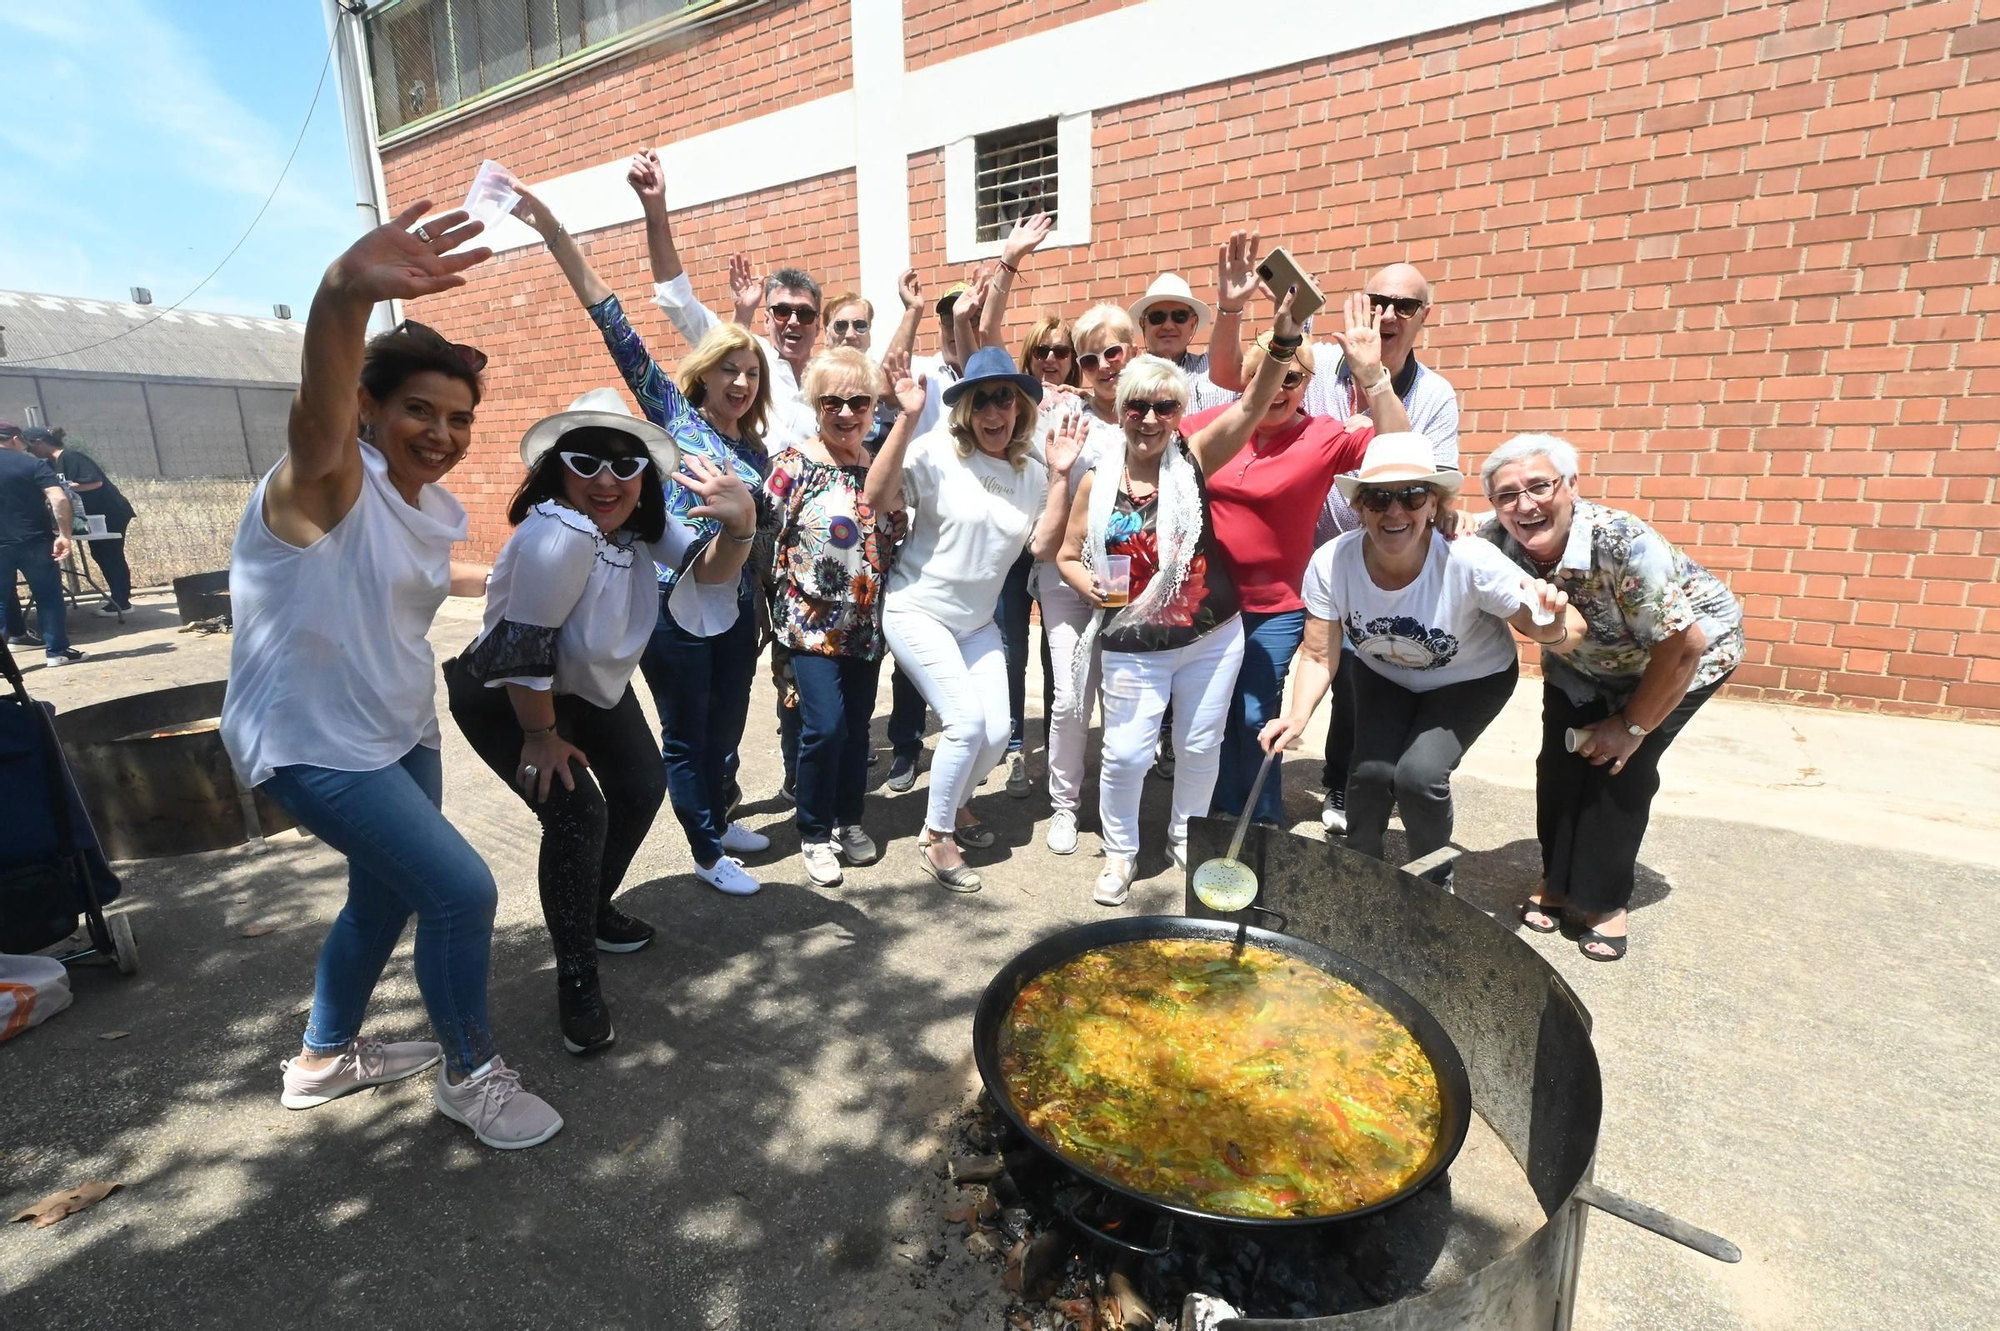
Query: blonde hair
(1018, 444)
(1253, 359)
(1047, 324)
(1108, 317)
(1146, 376)
(851, 298)
(842, 363)
(716, 346)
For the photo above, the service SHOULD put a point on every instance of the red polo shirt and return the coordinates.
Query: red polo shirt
(1265, 500)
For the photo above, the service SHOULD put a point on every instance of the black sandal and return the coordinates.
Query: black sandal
(1554, 917)
(1589, 936)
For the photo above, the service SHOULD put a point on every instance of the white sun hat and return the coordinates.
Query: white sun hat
(604, 407)
(1402, 458)
(1170, 289)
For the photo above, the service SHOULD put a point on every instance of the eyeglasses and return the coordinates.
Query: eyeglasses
(1180, 314)
(1407, 307)
(1536, 490)
(1111, 355)
(982, 398)
(584, 466)
(1046, 353)
(840, 326)
(860, 404)
(1411, 497)
(1295, 378)
(1166, 408)
(473, 358)
(800, 314)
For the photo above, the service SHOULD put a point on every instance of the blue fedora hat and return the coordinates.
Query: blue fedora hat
(990, 365)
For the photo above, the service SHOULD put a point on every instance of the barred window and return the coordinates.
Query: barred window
(1015, 176)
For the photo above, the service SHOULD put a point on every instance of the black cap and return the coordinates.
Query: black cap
(35, 434)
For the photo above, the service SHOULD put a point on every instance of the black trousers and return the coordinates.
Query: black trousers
(1590, 822)
(1340, 723)
(590, 834)
(110, 559)
(1406, 746)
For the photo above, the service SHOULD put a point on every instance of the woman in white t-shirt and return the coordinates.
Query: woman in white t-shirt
(977, 496)
(1429, 619)
(570, 609)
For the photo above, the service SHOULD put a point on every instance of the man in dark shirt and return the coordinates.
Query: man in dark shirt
(99, 497)
(32, 543)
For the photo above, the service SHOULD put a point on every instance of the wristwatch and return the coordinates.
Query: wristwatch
(1634, 730)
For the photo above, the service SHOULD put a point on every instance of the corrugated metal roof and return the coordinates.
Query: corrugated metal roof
(181, 344)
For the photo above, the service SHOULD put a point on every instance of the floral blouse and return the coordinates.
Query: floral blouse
(832, 558)
(1635, 590)
(1207, 600)
(665, 406)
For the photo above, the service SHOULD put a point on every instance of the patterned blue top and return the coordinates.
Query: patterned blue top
(663, 404)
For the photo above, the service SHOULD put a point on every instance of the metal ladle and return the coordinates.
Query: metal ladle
(1228, 884)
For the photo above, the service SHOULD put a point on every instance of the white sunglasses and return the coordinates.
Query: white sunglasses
(584, 466)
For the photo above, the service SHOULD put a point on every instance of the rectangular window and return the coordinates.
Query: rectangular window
(1015, 176)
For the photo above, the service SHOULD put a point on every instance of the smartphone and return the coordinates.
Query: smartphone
(1279, 270)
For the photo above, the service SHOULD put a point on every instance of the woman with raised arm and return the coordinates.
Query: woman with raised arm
(700, 684)
(1180, 639)
(340, 564)
(571, 606)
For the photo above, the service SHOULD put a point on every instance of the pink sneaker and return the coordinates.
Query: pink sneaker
(501, 1114)
(362, 1064)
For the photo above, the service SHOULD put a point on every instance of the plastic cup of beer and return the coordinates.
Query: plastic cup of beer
(1117, 580)
(492, 195)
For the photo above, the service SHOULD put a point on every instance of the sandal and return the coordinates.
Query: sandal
(1554, 918)
(1589, 936)
(961, 878)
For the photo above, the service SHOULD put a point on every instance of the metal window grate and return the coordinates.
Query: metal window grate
(1014, 175)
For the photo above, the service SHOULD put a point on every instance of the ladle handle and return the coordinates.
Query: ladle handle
(1250, 804)
(1666, 1226)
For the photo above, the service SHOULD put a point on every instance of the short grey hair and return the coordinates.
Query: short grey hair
(1560, 453)
(792, 279)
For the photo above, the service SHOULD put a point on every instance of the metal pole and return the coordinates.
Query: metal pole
(357, 113)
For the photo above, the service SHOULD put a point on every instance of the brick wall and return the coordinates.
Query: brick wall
(935, 30)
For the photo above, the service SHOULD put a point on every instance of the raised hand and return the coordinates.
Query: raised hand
(1027, 236)
(911, 288)
(723, 496)
(1236, 277)
(648, 180)
(1065, 442)
(534, 212)
(1361, 340)
(746, 289)
(400, 260)
(910, 391)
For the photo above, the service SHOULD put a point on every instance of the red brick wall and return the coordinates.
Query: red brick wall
(935, 30)
(545, 350)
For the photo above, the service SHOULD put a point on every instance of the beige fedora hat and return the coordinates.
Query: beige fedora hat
(1402, 458)
(604, 407)
(1170, 289)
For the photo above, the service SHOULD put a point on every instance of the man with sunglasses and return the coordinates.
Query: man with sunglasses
(1170, 318)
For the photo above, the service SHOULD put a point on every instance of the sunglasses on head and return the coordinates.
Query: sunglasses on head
(1166, 408)
(861, 404)
(1411, 497)
(1044, 353)
(1180, 314)
(803, 314)
(472, 357)
(1406, 307)
(982, 398)
(585, 466)
(1111, 355)
(844, 325)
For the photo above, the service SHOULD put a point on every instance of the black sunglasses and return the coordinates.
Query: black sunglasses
(804, 314)
(1295, 378)
(473, 358)
(1180, 314)
(982, 398)
(842, 325)
(860, 405)
(1411, 497)
(1044, 353)
(1111, 355)
(1407, 307)
(1166, 408)
(584, 466)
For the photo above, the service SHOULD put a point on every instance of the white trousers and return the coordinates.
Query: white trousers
(1064, 616)
(1200, 679)
(964, 679)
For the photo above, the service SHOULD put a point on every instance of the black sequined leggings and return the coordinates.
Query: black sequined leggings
(590, 834)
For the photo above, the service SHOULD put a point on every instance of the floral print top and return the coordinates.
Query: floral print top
(1208, 598)
(664, 405)
(1634, 589)
(832, 558)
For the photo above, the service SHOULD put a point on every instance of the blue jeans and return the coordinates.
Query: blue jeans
(906, 716)
(403, 858)
(35, 562)
(1269, 643)
(1011, 614)
(836, 700)
(701, 687)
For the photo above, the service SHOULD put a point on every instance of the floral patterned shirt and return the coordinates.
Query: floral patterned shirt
(1634, 589)
(665, 406)
(1207, 600)
(832, 558)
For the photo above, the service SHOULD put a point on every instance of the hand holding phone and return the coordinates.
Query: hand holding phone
(1279, 271)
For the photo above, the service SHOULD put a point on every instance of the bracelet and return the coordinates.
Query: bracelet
(545, 731)
(1556, 642)
(1010, 268)
(1282, 355)
(1380, 380)
(740, 540)
(1221, 310)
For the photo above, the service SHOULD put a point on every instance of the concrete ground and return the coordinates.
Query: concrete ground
(1796, 1055)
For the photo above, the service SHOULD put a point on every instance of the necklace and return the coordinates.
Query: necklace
(1132, 488)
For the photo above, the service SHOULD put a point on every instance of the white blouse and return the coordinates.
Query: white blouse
(571, 609)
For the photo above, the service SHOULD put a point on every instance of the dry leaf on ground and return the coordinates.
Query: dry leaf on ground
(257, 930)
(56, 1205)
(113, 1035)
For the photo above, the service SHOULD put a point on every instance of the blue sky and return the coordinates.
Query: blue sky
(139, 137)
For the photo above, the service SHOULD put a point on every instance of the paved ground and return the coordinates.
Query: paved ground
(1796, 1055)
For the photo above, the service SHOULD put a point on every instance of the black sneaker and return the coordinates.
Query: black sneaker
(1163, 760)
(732, 795)
(68, 655)
(619, 932)
(903, 772)
(580, 1008)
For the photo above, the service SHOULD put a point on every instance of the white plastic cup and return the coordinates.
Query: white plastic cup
(1573, 737)
(1117, 580)
(492, 196)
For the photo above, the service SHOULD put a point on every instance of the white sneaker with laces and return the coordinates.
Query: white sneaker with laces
(362, 1064)
(726, 875)
(740, 840)
(822, 863)
(1177, 852)
(492, 1103)
(1061, 838)
(1018, 785)
(854, 845)
(1114, 882)
(1333, 813)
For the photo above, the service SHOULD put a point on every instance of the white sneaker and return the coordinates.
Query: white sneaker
(740, 840)
(492, 1103)
(1018, 785)
(822, 863)
(1333, 813)
(854, 845)
(726, 875)
(1177, 852)
(1062, 832)
(1114, 882)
